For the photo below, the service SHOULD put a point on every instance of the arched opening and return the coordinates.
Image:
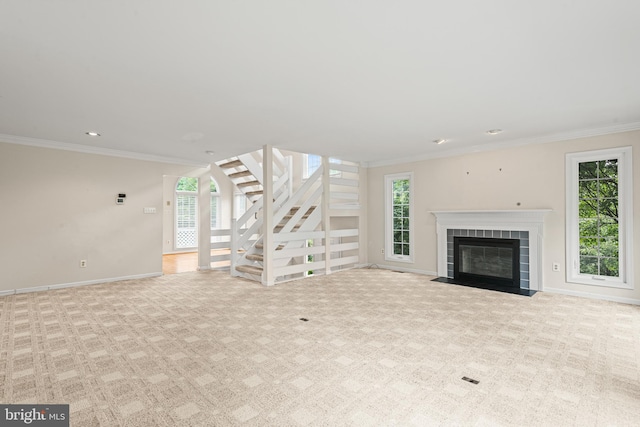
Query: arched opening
(186, 214)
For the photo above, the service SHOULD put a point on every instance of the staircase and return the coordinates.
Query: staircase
(294, 220)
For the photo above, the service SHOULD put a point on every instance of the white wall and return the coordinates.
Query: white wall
(58, 207)
(532, 175)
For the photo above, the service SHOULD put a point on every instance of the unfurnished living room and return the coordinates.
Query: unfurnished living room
(320, 213)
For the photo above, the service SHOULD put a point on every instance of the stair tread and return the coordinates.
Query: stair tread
(231, 164)
(255, 257)
(295, 209)
(240, 174)
(254, 193)
(289, 216)
(257, 271)
(281, 226)
(248, 183)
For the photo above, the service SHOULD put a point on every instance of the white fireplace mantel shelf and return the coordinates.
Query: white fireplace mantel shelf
(531, 220)
(490, 214)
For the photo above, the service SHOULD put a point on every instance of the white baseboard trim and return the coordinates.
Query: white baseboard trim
(75, 284)
(591, 296)
(403, 269)
(204, 268)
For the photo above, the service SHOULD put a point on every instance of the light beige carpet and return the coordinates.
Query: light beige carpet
(379, 348)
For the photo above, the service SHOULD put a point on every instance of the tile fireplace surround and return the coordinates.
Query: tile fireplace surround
(495, 224)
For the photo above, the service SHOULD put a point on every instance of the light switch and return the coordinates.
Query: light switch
(149, 210)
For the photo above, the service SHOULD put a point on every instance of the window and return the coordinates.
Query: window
(215, 206)
(312, 162)
(599, 218)
(399, 217)
(186, 213)
(240, 205)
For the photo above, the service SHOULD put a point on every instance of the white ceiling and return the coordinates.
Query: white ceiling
(371, 81)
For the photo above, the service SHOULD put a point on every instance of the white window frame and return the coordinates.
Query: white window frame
(625, 218)
(388, 222)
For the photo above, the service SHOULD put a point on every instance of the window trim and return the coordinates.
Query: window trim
(625, 215)
(388, 220)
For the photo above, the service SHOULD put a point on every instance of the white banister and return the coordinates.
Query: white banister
(326, 220)
(204, 221)
(268, 277)
(234, 247)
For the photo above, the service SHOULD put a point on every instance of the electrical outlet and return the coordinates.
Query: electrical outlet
(382, 251)
(556, 266)
(83, 263)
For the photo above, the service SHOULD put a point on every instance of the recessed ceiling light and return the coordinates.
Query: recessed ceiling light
(439, 141)
(210, 152)
(92, 133)
(494, 131)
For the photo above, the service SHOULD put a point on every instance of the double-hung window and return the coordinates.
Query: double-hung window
(600, 218)
(399, 217)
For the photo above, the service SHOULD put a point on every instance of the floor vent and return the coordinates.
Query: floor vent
(470, 380)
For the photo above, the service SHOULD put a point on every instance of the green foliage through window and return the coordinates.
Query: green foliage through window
(187, 184)
(598, 217)
(400, 217)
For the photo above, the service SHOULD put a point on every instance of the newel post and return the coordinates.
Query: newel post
(268, 274)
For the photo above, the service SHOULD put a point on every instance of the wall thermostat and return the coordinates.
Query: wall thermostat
(120, 199)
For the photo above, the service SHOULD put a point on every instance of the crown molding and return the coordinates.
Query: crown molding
(557, 137)
(57, 145)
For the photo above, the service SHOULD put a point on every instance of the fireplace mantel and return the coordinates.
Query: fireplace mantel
(497, 217)
(531, 220)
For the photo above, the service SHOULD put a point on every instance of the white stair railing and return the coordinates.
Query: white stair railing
(283, 253)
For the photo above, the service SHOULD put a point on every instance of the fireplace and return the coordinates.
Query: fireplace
(524, 225)
(487, 261)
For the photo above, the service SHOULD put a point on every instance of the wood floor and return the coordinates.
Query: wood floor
(179, 263)
(187, 261)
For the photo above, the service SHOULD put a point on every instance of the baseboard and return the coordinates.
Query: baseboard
(591, 296)
(402, 269)
(75, 284)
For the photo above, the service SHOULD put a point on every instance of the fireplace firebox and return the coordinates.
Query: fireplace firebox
(487, 261)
